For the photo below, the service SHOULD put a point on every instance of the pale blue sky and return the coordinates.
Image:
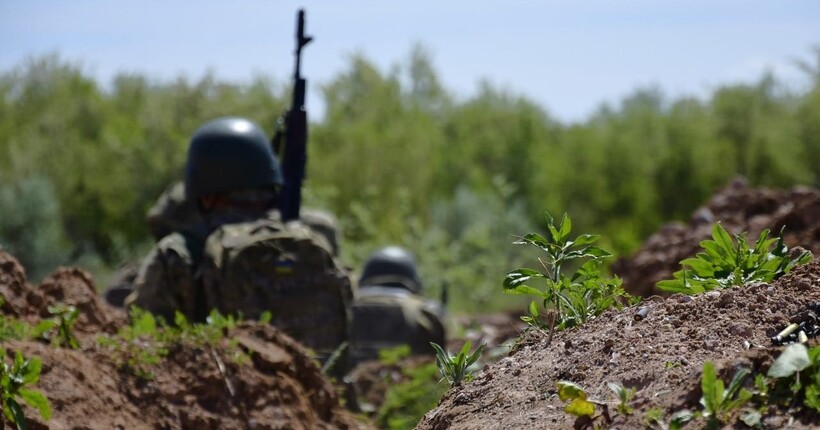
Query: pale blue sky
(568, 56)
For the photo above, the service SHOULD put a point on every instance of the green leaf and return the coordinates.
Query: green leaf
(38, 401)
(712, 388)
(793, 359)
(585, 239)
(17, 412)
(564, 228)
(519, 276)
(32, 374)
(722, 238)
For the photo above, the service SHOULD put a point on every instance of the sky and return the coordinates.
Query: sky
(567, 56)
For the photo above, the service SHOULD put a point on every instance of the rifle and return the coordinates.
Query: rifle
(293, 125)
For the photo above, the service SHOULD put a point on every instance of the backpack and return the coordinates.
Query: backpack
(265, 265)
(387, 317)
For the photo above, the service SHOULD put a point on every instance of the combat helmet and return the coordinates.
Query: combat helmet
(391, 266)
(230, 154)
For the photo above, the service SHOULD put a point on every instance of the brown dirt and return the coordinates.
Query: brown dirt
(661, 355)
(280, 387)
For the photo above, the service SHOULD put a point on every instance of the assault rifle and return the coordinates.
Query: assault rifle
(293, 125)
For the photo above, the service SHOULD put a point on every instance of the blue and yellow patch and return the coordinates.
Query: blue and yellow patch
(284, 267)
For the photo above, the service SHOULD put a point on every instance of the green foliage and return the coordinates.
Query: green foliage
(718, 402)
(728, 262)
(406, 402)
(461, 175)
(796, 374)
(570, 299)
(138, 346)
(456, 368)
(30, 228)
(64, 317)
(141, 345)
(391, 356)
(14, 379)
(624, 397)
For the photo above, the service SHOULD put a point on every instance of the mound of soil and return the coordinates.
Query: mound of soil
(661, 355)
(739, 208)
(194, 387)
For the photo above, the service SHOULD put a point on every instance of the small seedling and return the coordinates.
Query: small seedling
(718, 402)
(13, 380)
(455, 368)
(624, 397)
(64, 317)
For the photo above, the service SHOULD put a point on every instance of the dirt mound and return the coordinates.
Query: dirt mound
(661, 355)
(194, 387)
(739, 208)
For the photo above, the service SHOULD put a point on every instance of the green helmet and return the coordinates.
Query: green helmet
(391, 266)
(230, 154)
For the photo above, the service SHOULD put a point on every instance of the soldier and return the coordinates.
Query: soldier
(242, 259)
(389, 310)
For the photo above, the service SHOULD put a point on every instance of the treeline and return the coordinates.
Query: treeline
(397, 157)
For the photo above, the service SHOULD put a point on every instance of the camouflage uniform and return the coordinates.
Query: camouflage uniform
(389, 311)
(242, 261)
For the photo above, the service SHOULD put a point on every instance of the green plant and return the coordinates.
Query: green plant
(407, 401)
(137, 347)
(726, 262)
(569, 299)
(624, 397)
(654, 418)
(391, 356)
(64, 317)
(718, 402)
(455, 368)
(13, 379)
(797, 372)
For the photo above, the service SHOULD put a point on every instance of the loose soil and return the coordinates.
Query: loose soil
(280, 387)
(661, 355)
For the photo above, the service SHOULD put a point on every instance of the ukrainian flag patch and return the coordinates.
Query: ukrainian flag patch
(284, 267)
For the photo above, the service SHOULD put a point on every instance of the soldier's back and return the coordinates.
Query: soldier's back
(267, 266)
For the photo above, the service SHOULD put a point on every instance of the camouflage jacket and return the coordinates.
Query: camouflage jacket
(386, 317)
(183, 271)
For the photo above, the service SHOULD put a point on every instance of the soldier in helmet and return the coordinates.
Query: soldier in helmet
(241, 258)
(389, 310)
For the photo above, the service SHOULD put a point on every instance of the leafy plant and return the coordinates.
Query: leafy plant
(407, 401)
(718, 402)
(138, 346)
(569, 299)
(13, 379)
(624, 397)
(391, 356)
(64, 317)
(797, 372)
(455, 368)
(727, 262)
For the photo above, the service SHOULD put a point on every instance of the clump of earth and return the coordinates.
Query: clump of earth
(194, 387)
(660, 354)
